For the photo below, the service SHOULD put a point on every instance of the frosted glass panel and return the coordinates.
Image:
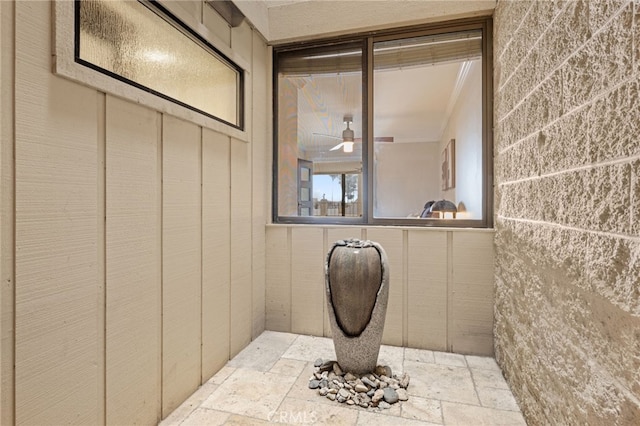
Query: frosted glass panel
(134, 42)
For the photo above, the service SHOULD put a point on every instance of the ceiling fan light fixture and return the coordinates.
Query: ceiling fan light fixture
(347, 146)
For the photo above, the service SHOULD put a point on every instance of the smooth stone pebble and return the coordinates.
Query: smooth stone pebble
(361, 388)
(402, 395)
(331, 396)
(350, 402)
(314, 384)
(384, 405)
(345, 393)
(371, 392)
(404, 381)
(323, 391)
(349, 377)
(377, 395)
(318, 362)
(369, 383)
(390, 395)
(336, 369)
(327, 365)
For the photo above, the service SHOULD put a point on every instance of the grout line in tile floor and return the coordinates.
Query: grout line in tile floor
(445, 389)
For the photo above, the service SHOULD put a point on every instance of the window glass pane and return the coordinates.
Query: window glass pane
(428, 127)
(132, 41)
(320, 129)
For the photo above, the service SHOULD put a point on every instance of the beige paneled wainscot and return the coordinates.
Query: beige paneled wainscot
(440, 295)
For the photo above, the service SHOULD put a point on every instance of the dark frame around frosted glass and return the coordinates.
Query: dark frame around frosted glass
(144, 45)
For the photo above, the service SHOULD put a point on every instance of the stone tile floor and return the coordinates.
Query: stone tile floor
(267, 383)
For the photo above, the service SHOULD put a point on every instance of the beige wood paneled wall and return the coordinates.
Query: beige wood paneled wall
(440, 294)
(132, 255)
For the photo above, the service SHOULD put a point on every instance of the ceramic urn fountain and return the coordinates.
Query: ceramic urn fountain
(357, 288)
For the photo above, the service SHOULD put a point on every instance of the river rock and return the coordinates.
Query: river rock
(402, 395)
(361, 388)
(404, 381)
(390, 395)
(349, 377)
(314, 384)
(377, 395)
(369, 382)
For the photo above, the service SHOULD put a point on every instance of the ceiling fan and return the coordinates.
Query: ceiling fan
(348, 136)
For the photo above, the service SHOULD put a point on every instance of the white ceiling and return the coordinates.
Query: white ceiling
(412, 105)
(291, 20)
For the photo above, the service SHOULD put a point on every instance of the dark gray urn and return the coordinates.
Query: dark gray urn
(357, 287)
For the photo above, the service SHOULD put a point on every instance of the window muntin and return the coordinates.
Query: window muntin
(405, 143)
(145, 46)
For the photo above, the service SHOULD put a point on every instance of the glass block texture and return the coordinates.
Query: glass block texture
(133, 41)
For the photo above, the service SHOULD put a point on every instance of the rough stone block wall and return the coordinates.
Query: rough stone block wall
(567, 207)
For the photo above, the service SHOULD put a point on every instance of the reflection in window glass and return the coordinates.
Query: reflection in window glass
(320, 126)
(428, 100)
(133, 42)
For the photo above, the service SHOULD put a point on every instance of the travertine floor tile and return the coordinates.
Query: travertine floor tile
(465, 415)
(221, 375)
(419, 355)
(441, 382)
(288, 367)
(310, 348)
(298, 411)
(236, 420)
(393, 356)
(268, 383)
(187, 407)
(428, 410)
(446, 358)
(489, 379)
(264, 351)
(204, 416)
(250, 393)
(501, 399)
(367, 418)
(482, 362)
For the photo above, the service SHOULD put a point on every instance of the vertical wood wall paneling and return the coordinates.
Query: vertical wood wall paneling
(7, 212)
(427, 289)
(260, 177)
(391, 241)
(307, 280)
(216, 242)
(181, 261)
(471, 316)
(241, 298)
(133, 310)
(278, 282)
(101, 255)
(56, 219)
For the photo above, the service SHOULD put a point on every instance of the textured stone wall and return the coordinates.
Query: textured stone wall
(567, 171)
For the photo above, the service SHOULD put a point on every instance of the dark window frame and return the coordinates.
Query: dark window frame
(175, 22)
(368, 39)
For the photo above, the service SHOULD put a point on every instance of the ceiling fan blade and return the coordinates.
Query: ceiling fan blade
(337, 146)
(327, 136)
(378, 139)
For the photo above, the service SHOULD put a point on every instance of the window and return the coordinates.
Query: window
(144, 45)
(393, 129)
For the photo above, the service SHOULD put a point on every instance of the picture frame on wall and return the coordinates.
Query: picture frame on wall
(449, 166)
